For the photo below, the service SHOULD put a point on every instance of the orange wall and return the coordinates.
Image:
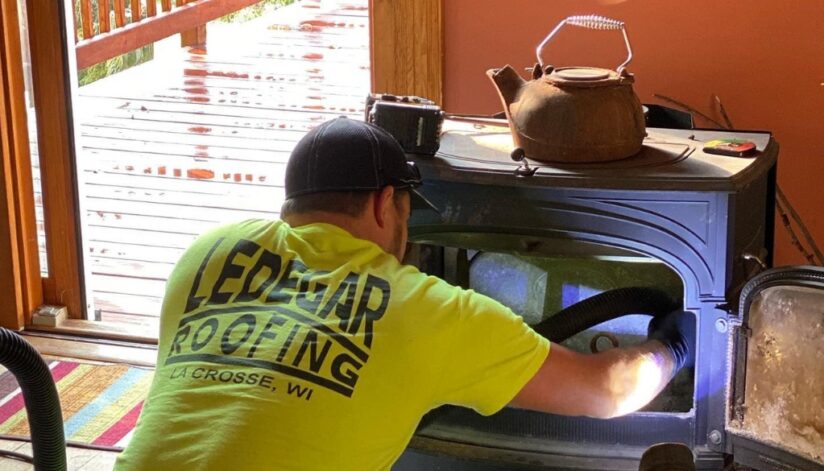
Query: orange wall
(763, 58)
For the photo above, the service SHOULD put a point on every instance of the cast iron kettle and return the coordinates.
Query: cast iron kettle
(573, 114)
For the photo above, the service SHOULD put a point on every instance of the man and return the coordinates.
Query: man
(305, 344)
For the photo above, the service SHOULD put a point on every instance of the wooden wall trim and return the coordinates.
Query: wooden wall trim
(52, 98)
(20, 280)
(407, 47)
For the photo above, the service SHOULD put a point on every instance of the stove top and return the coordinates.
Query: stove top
(671, 159)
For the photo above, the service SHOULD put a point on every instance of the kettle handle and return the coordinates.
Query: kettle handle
(589, 22)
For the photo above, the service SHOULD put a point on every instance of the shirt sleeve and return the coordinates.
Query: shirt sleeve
(493, 353)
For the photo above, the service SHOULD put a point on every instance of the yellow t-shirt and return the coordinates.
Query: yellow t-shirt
(308, 349)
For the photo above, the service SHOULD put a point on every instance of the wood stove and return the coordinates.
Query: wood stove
(704, 220)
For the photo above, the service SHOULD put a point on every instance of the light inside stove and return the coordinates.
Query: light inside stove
(646, 378)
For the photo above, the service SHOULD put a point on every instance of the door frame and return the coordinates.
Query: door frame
(51, 86)
(407, 39)
(20, 280)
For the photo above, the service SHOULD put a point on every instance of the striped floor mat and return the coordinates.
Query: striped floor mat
(100, 403)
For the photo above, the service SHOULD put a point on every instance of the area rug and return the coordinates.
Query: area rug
(100, 402)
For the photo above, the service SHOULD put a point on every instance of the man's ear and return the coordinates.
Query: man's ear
(383, 204)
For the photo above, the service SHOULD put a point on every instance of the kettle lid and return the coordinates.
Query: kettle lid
(581, 73)
(587, 77)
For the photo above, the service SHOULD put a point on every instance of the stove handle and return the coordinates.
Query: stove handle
(758, 259)
(750, 265)
(589, 22)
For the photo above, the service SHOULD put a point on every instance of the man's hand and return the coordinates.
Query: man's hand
(676, 331)
(616, 381)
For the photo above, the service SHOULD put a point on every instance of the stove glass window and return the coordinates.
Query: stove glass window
(537, 285)
(783, 401)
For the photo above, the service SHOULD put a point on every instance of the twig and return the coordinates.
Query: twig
(690, 109)
(806, 233)
(724, 112)
(785, 220)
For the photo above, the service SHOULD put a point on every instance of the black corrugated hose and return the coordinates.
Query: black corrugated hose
(41, 399)
(603, 307)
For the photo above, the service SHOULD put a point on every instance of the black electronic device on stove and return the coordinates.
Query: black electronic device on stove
(414, 121)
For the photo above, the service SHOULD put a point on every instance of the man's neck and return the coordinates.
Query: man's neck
(348, 223)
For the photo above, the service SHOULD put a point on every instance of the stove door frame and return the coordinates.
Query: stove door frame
(689, 231)
(746, 451)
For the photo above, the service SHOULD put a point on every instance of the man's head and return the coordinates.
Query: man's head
(354, 175)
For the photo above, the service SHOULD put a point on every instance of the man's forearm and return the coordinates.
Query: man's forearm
(615, 382)
(633, 376)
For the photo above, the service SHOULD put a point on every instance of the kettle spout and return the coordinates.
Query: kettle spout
(508, 83)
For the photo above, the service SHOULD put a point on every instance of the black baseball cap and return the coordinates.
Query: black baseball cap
(350, 155)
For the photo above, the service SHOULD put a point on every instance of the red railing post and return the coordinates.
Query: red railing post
(195, 37)
(136, 10)
(120, 13)
(103, 15)
(86, 19)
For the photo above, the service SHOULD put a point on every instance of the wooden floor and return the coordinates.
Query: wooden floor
(181, 144)
(77, 459)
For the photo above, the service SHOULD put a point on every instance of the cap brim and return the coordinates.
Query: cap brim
(418, 202)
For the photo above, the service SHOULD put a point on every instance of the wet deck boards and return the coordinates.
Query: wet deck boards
(178, 145)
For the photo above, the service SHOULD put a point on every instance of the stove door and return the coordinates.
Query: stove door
(776, 394)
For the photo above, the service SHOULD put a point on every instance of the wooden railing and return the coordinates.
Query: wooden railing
(109, 28)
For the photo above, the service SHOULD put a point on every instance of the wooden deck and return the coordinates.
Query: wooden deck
(176, 146)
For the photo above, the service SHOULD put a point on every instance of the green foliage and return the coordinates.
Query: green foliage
(115, 65)
(254, 11)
